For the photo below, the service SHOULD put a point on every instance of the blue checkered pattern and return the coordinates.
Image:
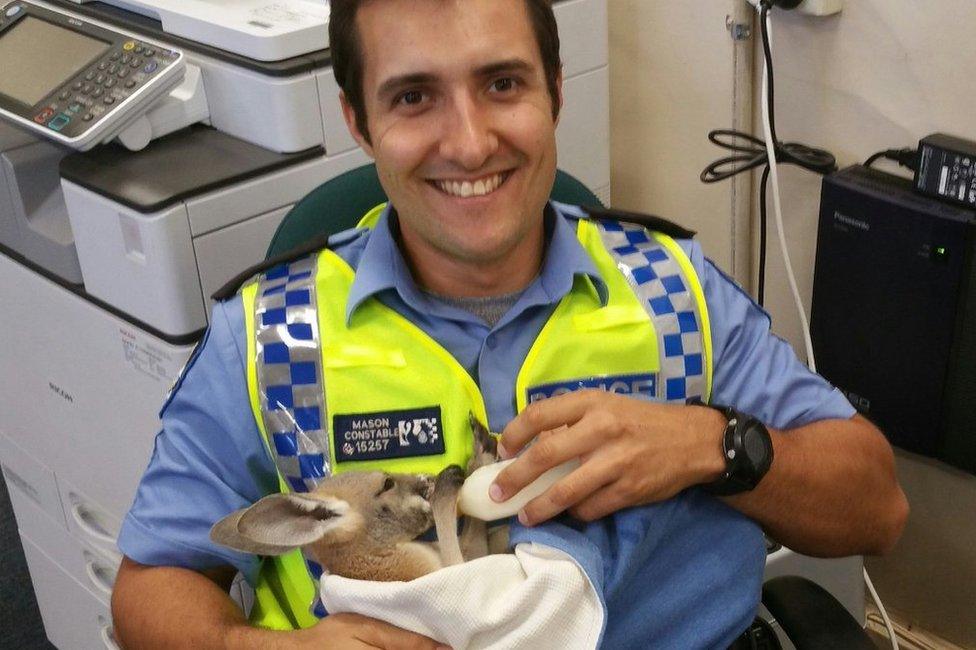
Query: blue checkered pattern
(659, 283)
(315, 570)
(289, 373)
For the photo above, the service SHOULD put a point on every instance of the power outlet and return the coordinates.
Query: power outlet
(820, 7)
(815, 7)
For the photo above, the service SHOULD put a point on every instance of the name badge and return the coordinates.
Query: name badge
(639, 385)
(388, 434)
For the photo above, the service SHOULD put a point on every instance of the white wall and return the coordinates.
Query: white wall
(882, 74)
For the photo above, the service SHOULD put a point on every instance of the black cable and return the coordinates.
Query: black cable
(761, 293)
(906, 157)
(751, 152)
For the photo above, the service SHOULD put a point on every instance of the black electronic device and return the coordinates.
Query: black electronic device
(893, 322)
(946, 169)
(76, 82)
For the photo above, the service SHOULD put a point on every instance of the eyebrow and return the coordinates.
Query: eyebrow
(391, 85)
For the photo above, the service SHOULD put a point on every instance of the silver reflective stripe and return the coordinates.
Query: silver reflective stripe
(664, 292)
(289, 373)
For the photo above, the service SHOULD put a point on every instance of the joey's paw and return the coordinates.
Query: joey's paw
(484, 442)
(450, 478)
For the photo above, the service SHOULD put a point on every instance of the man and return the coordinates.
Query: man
(457, 102)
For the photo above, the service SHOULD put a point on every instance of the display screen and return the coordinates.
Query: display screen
(38, 57)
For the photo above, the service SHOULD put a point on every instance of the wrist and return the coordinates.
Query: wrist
(707, 428)
(243, 636)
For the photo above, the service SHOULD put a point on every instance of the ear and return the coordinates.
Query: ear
(559, 93)
(349, 115)
(279, 523)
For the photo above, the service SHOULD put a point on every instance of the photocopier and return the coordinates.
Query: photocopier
(148, 151)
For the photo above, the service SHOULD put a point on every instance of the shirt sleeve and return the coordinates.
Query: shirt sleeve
(208, 460)
(753, 369)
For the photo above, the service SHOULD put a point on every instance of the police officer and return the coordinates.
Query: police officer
(589, 337)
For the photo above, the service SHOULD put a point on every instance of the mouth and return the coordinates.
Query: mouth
(465, 189)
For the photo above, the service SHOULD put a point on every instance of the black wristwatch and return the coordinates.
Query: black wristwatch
(748, 452)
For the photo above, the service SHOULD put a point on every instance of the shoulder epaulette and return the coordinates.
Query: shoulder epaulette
(649, 221)
(235, 283)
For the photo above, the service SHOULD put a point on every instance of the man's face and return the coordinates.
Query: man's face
(461, 127)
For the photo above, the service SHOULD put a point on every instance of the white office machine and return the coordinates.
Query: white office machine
(115, 229)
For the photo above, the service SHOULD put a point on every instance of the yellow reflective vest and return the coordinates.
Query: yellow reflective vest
(377, 393)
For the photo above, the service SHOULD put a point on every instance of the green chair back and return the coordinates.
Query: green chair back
(339, 204)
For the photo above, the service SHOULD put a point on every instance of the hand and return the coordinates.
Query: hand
(632, 452)
(359, 632)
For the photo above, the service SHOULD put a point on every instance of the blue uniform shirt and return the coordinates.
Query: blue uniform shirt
(209, 458)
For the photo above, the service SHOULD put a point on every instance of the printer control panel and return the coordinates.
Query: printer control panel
(73, 81)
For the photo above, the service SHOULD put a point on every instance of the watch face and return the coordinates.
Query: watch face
(755, 446)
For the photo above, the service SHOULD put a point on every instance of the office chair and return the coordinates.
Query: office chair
(808, 614)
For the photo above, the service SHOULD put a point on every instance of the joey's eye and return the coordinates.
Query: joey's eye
(388, 485)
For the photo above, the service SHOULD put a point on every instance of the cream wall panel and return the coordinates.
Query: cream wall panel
(672, 71)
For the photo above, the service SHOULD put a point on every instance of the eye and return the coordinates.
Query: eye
(388, 484)
(504, 84)
(410, 98)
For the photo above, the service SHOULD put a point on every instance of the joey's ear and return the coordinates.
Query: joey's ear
(279, 523)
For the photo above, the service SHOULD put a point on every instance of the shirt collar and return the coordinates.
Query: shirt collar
(382, 266)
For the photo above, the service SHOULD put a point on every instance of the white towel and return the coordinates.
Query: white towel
(538, 598)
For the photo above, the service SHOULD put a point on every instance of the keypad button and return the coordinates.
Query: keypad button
(87, 88)
(130, 84)
(139, 49)
(115, 56)
(126, 57)
(100, 79)
(102, 65)
(76, 85)
(63, 96)
(129, 45)
(149, 52)
(150, 67)
(123, 73)
(109, 100)
(58, 122)
(135, 63)
(90, 75)
(109, 82)
(97, 92)
(88, 117)
(112, 69)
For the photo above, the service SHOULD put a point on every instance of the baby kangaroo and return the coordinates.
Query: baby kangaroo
(363, 525)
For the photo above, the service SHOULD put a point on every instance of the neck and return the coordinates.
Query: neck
(453, 276)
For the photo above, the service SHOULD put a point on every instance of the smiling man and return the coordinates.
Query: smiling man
(471, 292)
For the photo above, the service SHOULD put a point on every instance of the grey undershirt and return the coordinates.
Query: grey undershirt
(490, 309)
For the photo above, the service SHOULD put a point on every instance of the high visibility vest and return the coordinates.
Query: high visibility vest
(378, 393)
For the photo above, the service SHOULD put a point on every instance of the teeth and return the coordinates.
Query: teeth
(466, 189)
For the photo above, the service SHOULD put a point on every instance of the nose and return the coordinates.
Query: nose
(469, 138)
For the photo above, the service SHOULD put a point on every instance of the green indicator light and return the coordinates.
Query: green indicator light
(940, 250)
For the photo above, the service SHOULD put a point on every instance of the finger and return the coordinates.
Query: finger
(549, 450)
(383, 635)
(567, 492)
(604, 501)
(544, 415)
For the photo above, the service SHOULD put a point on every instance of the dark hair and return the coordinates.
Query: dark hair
(347, 57)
